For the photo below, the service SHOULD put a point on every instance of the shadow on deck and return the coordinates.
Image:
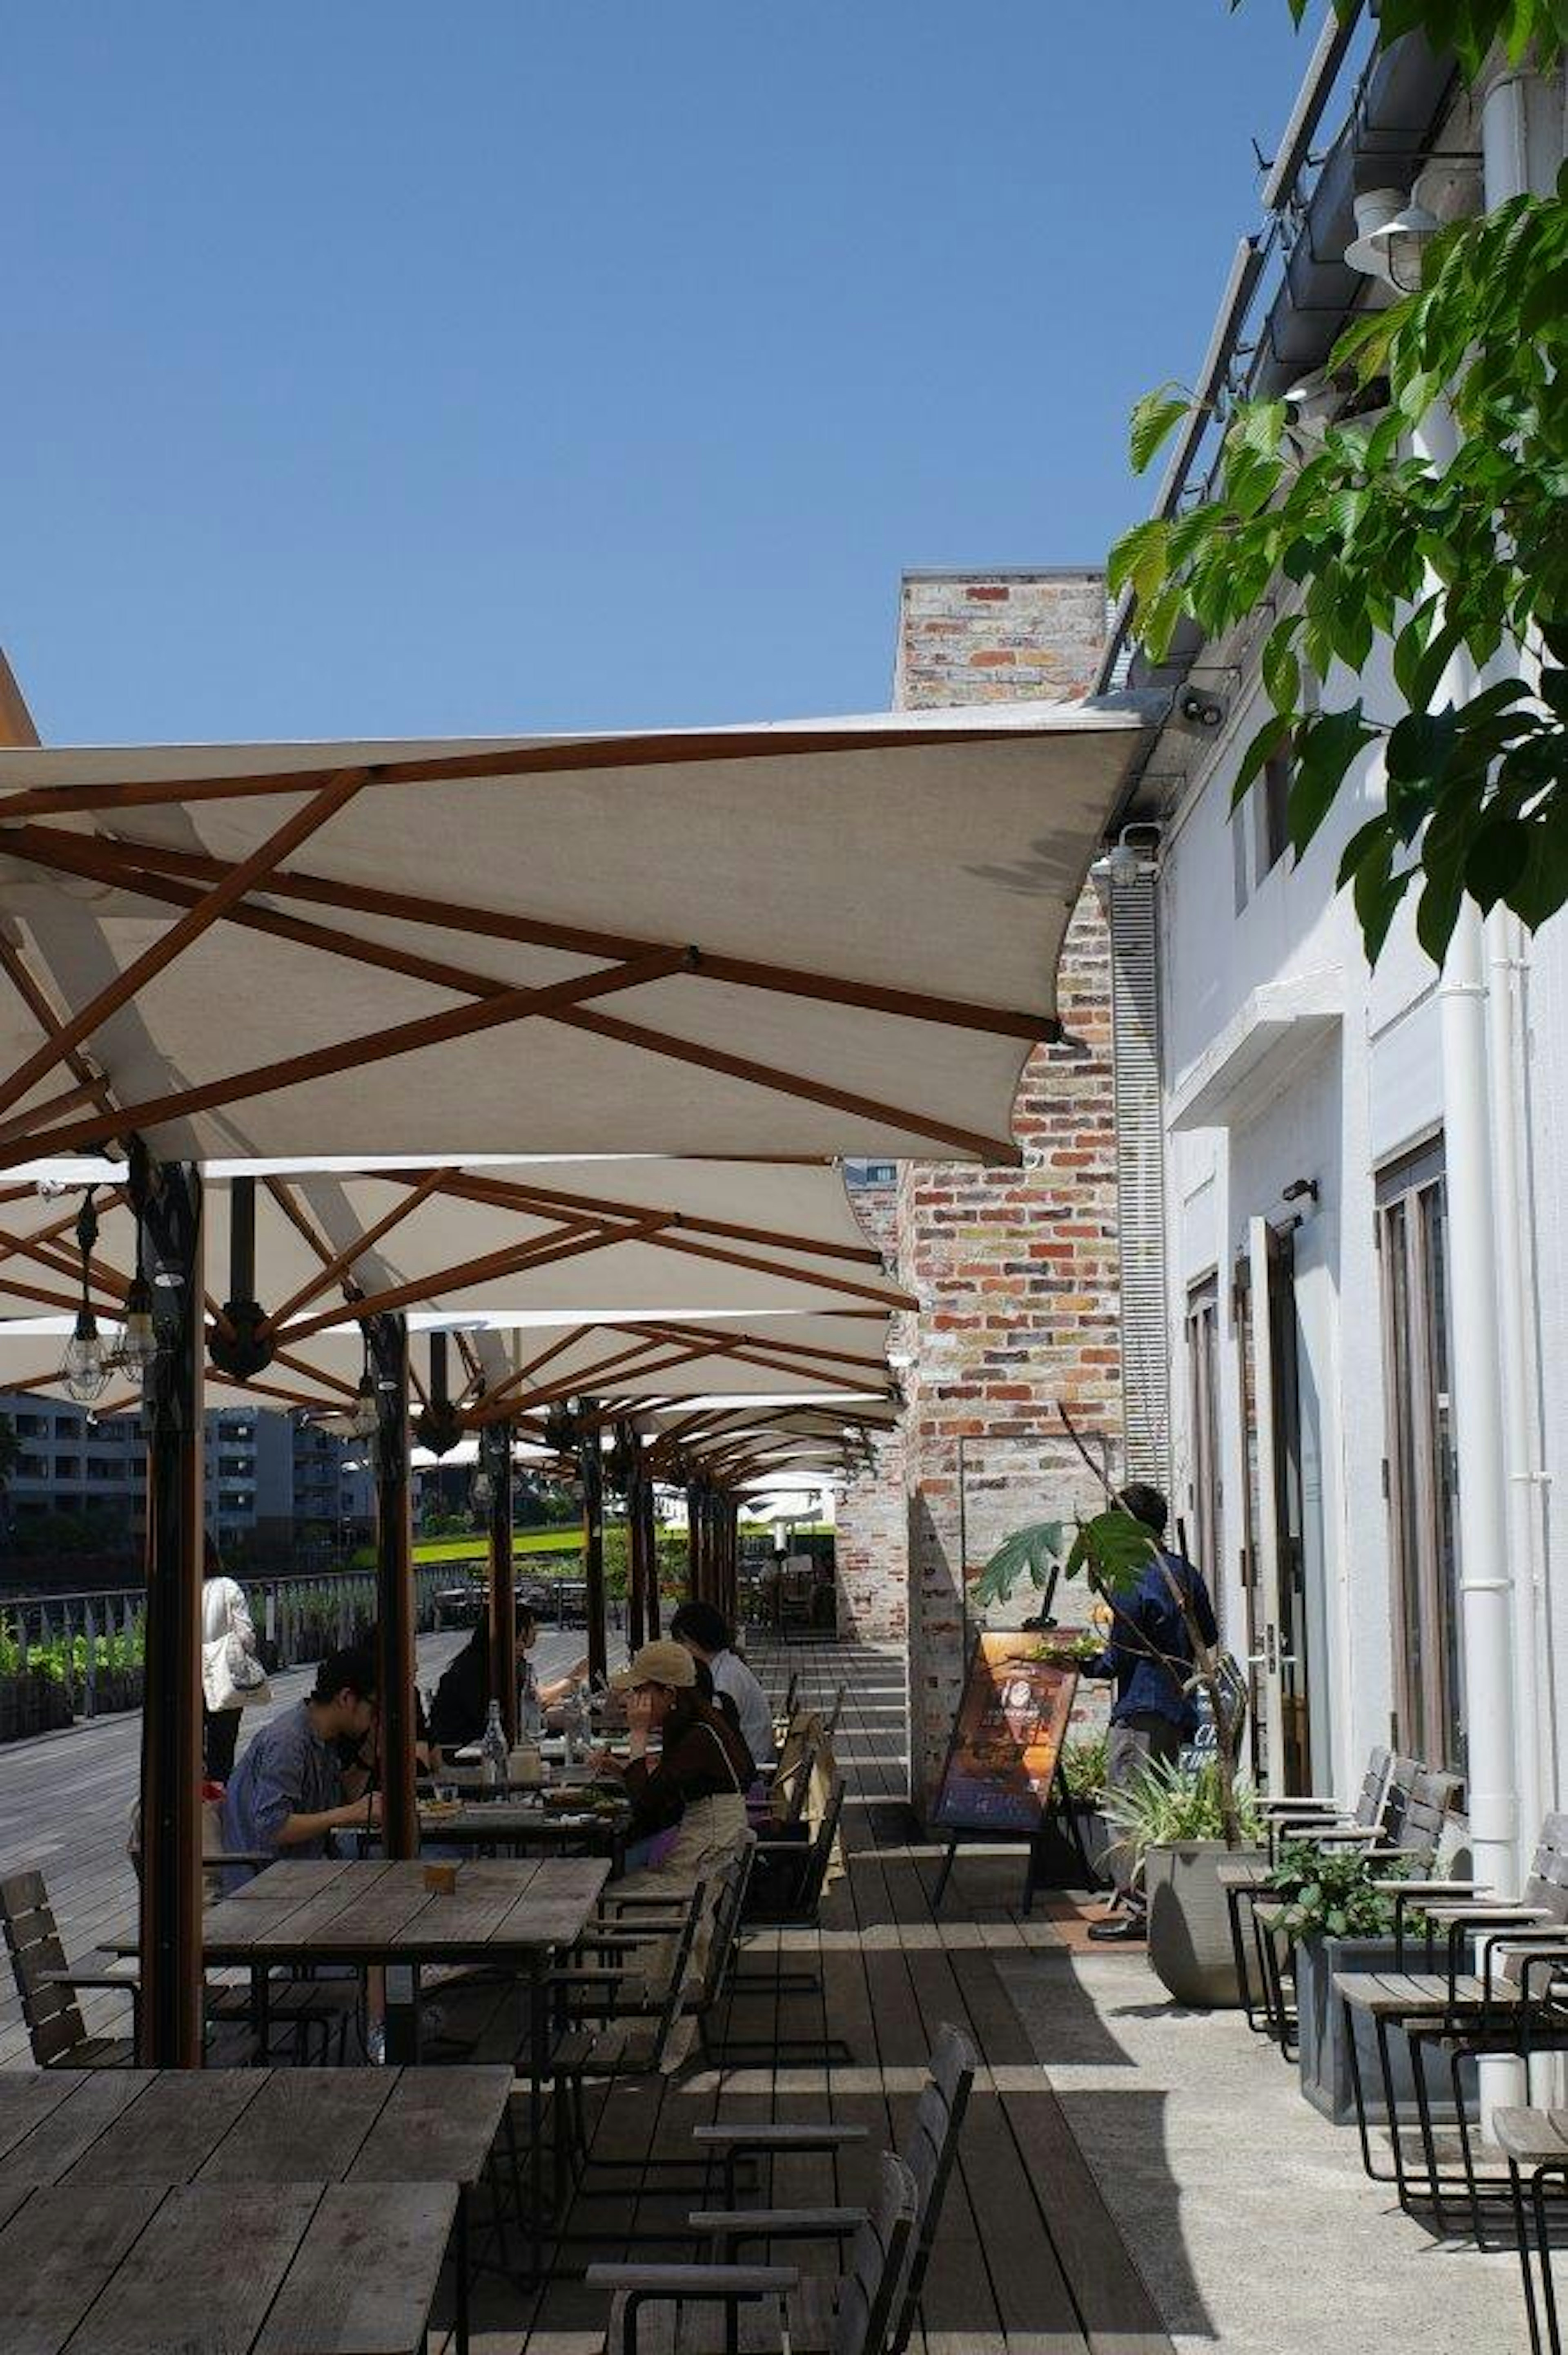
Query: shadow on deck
(1029, 2258)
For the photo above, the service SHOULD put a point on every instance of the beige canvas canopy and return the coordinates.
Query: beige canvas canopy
(836, 936)
(609, 1236)
(551, 1277)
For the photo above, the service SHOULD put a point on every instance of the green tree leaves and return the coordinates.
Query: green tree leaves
(1458, 568)
(1154, 420)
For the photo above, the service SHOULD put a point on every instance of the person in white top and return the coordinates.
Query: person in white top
(224, 1613)
(707, 1636)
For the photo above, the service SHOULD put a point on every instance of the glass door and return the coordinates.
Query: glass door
(1418, 1465)
(1278, 1620)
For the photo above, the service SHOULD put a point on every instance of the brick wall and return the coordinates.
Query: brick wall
(1015, 1269)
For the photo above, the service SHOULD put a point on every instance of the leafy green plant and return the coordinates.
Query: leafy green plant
(1084, 1768)
(1360, 539)
(1169, 1804)
(1329, 1892)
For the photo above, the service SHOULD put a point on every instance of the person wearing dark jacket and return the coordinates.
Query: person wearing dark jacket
(1149, 1658)
(460, 1709)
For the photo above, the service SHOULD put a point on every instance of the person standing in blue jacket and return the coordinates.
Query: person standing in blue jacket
(1149, 1658)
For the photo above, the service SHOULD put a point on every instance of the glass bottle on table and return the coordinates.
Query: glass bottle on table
(492, 1754)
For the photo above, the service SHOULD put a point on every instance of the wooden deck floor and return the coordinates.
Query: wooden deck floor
(65, 1811)
(1029, 2259)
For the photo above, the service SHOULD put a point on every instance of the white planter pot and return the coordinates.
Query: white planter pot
(1189, 1928)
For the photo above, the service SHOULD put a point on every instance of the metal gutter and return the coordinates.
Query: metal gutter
(1388, 129)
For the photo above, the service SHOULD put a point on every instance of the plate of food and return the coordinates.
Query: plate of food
(438, 1811)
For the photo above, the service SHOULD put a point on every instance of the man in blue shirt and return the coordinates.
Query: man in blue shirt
(286, 1793)
(1149, 1657)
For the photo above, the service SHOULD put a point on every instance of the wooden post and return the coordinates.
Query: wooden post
(495, 1457)
(168, 1204)
(388, 1340)
(591, 1469)
(650, 1524)
(694, 1543)
(629, 1448)
(730, 1602)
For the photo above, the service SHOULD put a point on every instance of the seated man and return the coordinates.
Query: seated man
(706, 1635)
(286, 1794)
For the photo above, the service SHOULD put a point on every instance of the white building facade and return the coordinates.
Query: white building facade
(1367, 1280)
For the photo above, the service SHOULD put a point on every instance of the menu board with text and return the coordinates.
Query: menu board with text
(1007, 1738)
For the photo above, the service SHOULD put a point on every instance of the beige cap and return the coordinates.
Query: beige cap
(657, 1664)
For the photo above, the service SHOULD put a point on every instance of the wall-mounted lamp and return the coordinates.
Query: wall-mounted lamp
(1393, 233)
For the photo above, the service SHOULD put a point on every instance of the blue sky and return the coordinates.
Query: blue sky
(389, 368)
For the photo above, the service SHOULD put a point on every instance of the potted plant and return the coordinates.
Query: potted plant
(1083, 1773)
(1186, 1822)
(1174, 1820)
(1334, 1922)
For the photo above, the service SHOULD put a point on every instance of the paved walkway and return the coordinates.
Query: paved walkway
(1255, 2229)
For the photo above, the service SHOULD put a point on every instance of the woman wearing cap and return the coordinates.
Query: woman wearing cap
(699, 1782)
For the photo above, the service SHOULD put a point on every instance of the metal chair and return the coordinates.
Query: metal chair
(47, 1987)
(657, 2309)
(1510, 2005)
(929, 2153)
(1413, 1819)
(1536, 2140)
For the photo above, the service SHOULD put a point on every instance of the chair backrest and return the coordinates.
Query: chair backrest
(1427, 1806)
(792, 1782)
(869, 2290)
(929, 2152)
(1547, 1886)
(55, 2024)
(820, 1856)
(732, 1884)
(1374, 1785)
(792, 1693)
(681, 1988)
(831, 1722)
(1397, 1790)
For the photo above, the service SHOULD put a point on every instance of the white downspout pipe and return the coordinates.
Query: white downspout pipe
(1486, 1585)
(1475, 1288)
(1514, 106)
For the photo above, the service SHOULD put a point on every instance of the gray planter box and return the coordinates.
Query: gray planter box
(1190, 1949)
(1324, 2049)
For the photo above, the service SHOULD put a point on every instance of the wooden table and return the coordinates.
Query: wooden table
(515, 1826)
(511, 1914)
(294, 2268)
(93, 2130)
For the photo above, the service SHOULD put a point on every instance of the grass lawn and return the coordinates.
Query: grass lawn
(564, 1540)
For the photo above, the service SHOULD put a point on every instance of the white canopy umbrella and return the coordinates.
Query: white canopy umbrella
(835, 936)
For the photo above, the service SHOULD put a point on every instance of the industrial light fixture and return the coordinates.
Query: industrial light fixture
(364, 1416)
(139, 1341)
(85, 1365)
(1393, 233)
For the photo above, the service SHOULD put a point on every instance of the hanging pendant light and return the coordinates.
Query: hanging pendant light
(139, 1340)
(85, 1365)
(364, 1416)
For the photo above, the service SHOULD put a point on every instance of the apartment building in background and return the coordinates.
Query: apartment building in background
(273, 1483)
